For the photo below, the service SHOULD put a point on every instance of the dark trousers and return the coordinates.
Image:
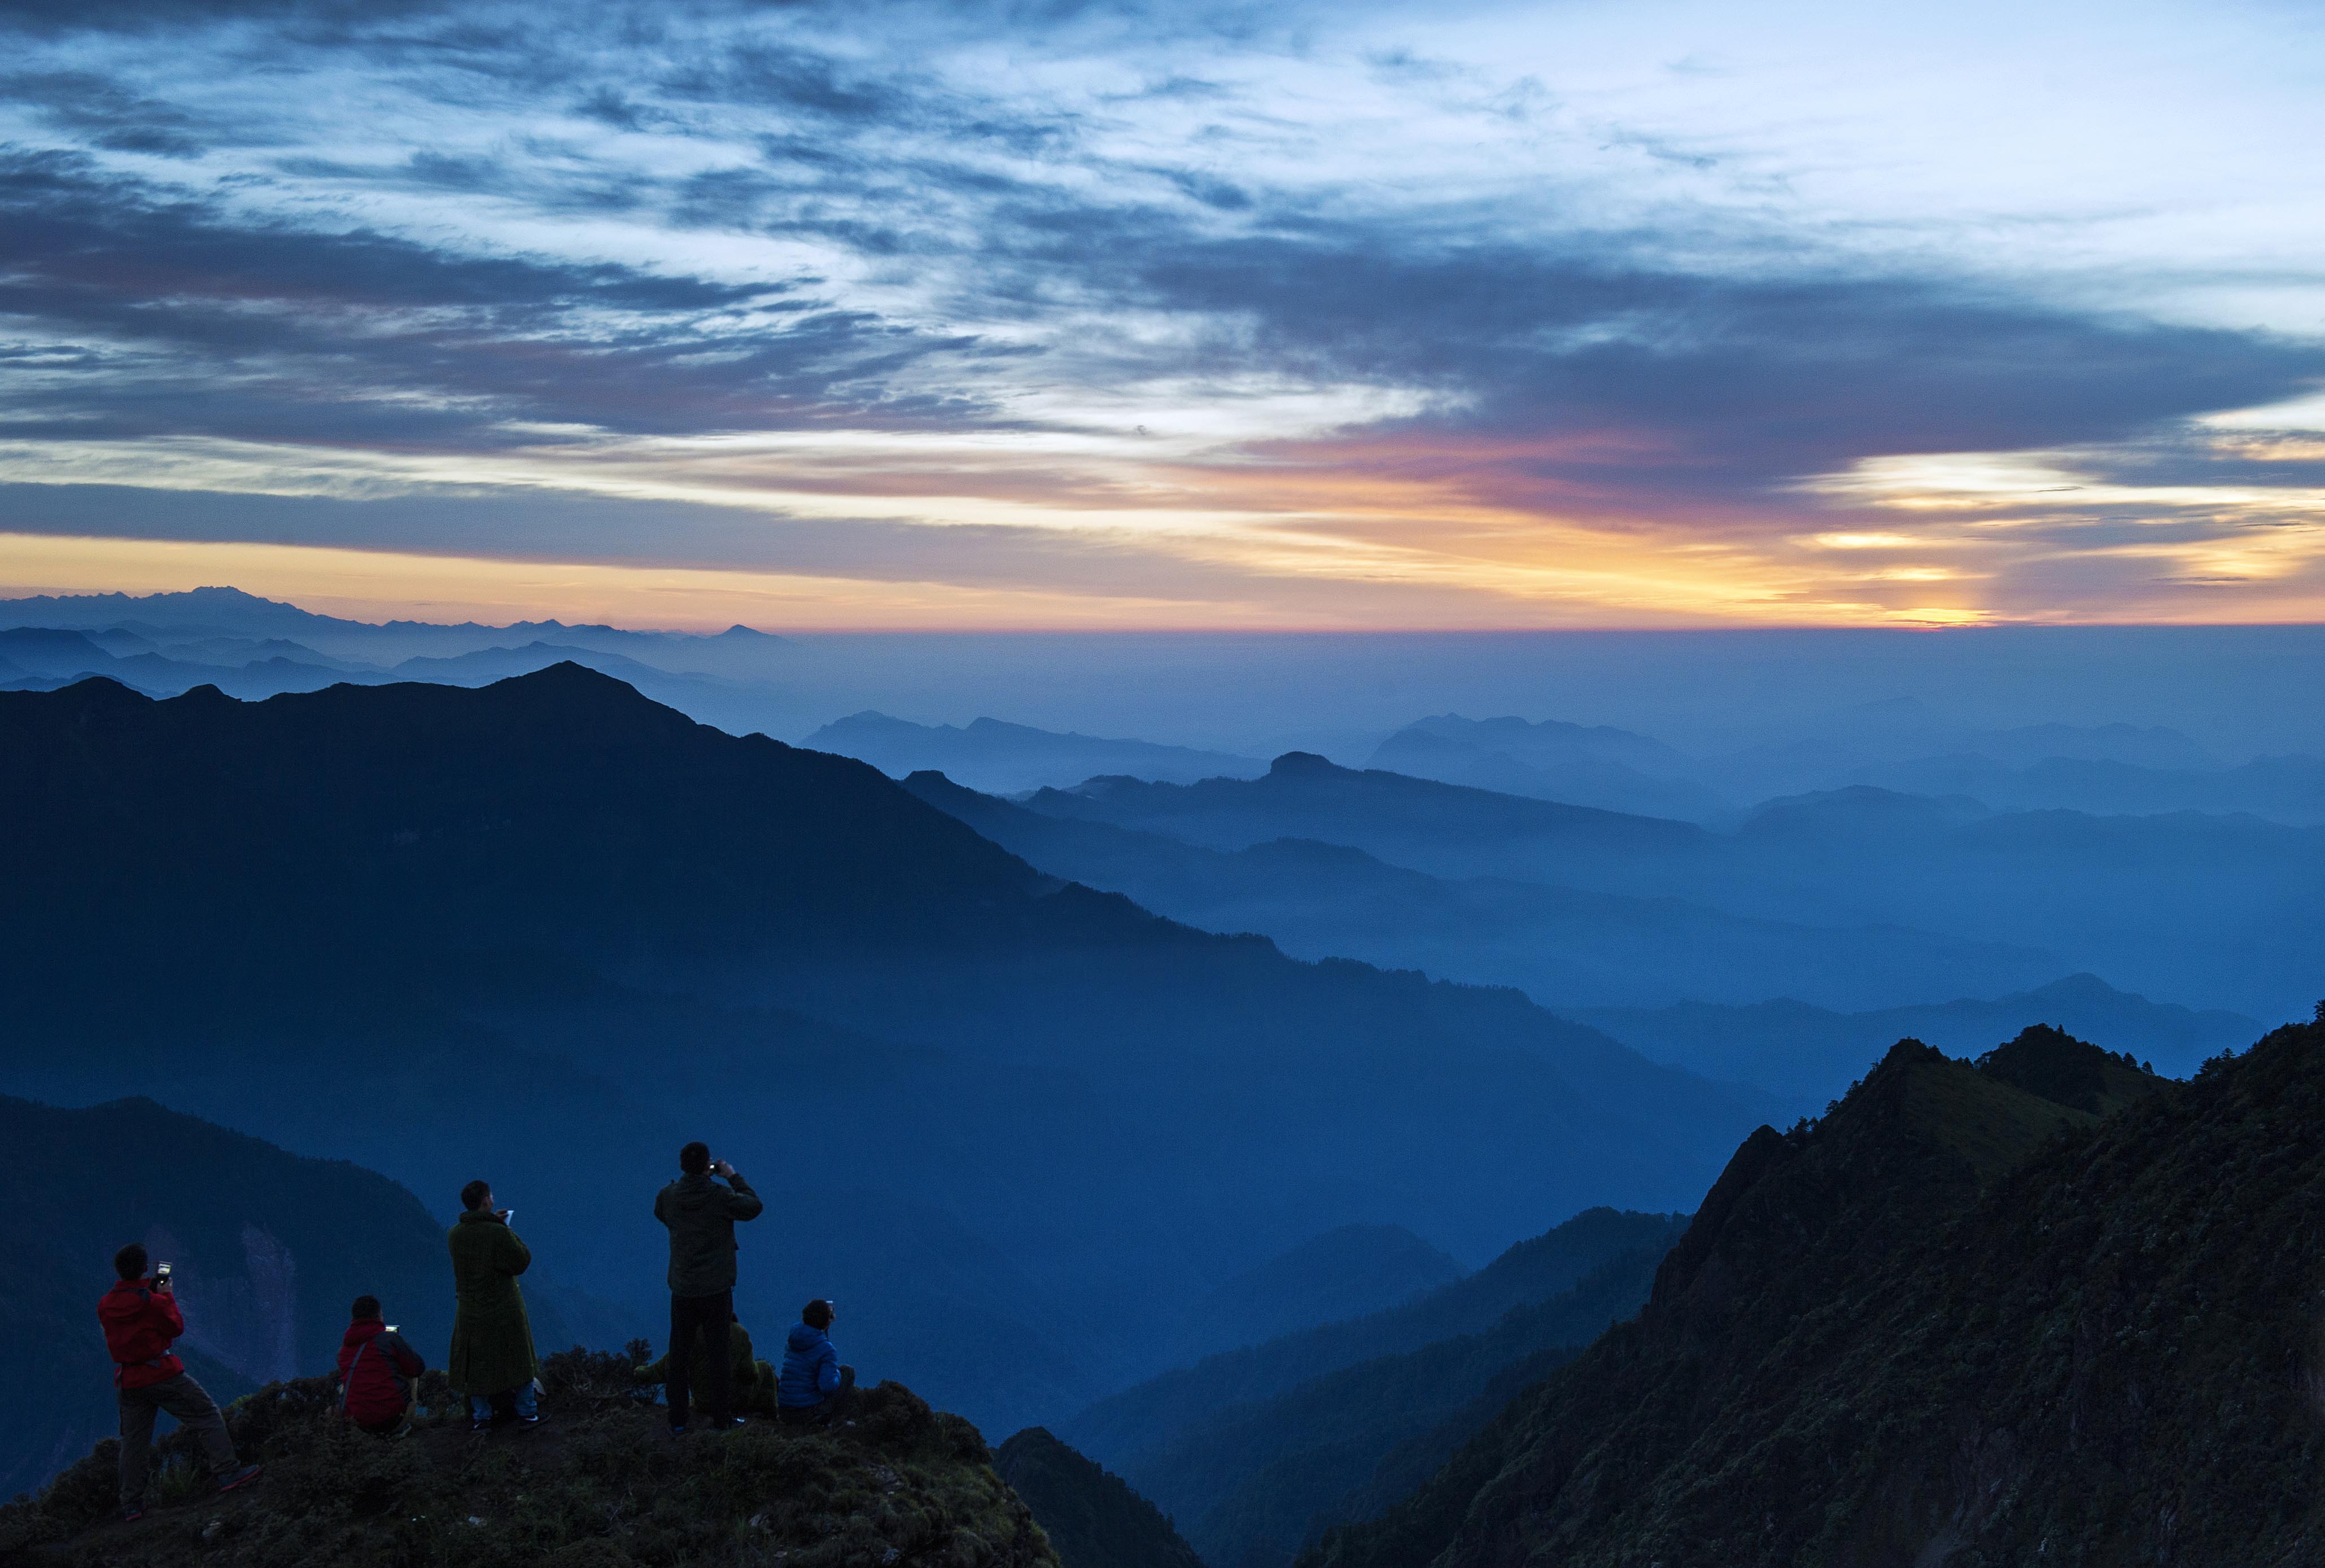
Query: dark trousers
(824, 1411)
(708, 1316)
(196, 1411)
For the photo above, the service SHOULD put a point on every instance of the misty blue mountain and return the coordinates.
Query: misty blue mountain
(1563, 945)
(554, 910)
(1810, 1055)
(1002, 758)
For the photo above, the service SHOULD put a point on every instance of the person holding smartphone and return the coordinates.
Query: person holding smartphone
(700, 1217)
(379, 1372)
(140, 1317)
(492, 1360)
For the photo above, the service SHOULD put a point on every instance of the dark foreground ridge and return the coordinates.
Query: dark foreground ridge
(1961, 1321)
(1090, 1514)
(601, 1484)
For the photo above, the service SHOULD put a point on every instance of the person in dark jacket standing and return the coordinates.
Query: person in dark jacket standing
(492, 1360)
(140, 1317)
(815, 1389)
(700, 1215)
(377, 1371)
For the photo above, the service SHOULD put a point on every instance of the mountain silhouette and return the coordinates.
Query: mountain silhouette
(1092, 1517)
(570, 928)
(1566, 947)
(991, 755)
(1952, 1321)
(1810, 1055)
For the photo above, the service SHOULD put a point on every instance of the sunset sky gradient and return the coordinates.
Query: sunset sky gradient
(1207, 316)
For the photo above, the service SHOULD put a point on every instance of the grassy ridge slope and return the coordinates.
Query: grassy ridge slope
(1946, 1325)
(603, 1485)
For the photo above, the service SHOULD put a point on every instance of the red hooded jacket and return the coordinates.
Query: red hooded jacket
(373, 1364)
(139, 1323)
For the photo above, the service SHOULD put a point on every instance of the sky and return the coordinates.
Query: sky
(1218, 316)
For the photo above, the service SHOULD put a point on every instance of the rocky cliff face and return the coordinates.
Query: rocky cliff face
(1954, 1324)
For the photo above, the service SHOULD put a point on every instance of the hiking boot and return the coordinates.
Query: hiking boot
(527, 1422)
(241, 1478)
(133, 1513)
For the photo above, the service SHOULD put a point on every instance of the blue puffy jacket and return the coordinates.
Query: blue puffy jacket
(810, 1368)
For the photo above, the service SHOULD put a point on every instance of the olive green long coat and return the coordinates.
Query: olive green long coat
(492, 1338)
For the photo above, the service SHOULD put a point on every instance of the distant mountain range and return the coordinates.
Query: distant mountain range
(2194, 905)
(546, 930)
(1562, 945)
(1810, 1055)
(1999, 1311)
(1005, 758)
(1594, 766)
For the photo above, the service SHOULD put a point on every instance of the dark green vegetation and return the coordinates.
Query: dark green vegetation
(543, 931)
(601, 1485)
(1810, 1055)
(1952, 1323)
(1090, 1514)
(269, 1250)
(1257, 1450)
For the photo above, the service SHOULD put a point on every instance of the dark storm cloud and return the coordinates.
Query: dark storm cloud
(1572, 367)
(265, 331)
(102, 114)
(1712, 381)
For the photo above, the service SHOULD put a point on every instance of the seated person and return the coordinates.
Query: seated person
(815, 1389)
(378, 1372)
(750, 1383)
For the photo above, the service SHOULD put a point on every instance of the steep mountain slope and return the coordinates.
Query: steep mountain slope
(1567, 947)
(269, 1250)
(1926, 1330)
(1810, 1055)
(1257, 1482)
(1091, 1516)
(565, 928)
(989, 753)
(1130, 1428)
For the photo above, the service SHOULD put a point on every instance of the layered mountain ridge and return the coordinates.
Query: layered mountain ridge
(1954, 1322)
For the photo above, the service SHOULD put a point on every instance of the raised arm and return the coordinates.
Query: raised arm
(742, 1204)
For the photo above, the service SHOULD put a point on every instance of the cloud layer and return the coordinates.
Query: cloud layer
(1366, 315)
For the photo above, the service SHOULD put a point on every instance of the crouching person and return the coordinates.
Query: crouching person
(750, 1382)
(815, 1389)
(141, 1318)
(378, 1372)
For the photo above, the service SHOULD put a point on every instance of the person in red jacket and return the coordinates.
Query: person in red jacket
(376, 1372)
(140, 1317)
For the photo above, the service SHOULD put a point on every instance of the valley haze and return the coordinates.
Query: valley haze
(1418, 785)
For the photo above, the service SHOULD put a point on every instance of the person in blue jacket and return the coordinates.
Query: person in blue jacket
(815, 1389)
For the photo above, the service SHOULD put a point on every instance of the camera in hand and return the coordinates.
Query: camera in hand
(162, 1275)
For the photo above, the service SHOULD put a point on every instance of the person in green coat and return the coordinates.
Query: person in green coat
(492, 1340)
(750, 1382)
